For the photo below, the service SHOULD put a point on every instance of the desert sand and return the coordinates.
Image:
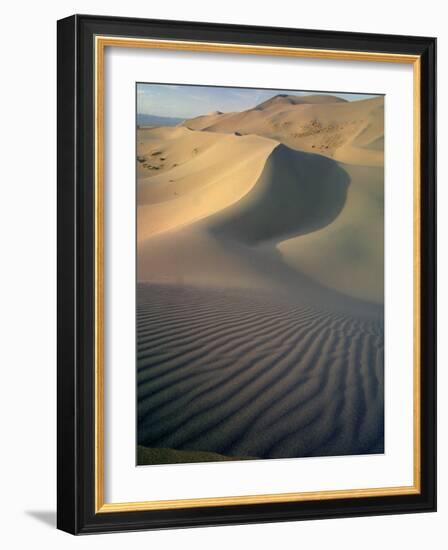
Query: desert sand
(260, 281)
(347, 131)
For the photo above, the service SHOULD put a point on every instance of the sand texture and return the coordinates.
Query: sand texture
(260, 282)
(256, 374)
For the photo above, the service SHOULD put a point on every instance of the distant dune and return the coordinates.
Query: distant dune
(323, 124)
(260, 269)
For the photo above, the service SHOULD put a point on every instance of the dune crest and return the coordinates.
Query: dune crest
(185, 176)
(279, 219)
(296, 193)
(287, 99)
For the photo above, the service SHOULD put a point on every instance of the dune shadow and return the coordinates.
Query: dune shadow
(297, 193)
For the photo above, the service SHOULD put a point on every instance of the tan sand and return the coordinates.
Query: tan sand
(184, 176)
(260, 270)
(353, 245)
(311, 210)
(329, 126)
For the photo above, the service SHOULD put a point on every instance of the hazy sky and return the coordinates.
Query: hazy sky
(189, 101)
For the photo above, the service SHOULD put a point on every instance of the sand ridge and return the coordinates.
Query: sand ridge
(207, 216)
(184, 176)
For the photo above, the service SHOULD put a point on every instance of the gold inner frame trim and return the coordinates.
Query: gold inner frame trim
(101, 42)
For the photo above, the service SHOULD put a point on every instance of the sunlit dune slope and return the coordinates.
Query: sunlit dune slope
(184, 176)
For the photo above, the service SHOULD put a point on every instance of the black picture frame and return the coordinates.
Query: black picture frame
(76, 275)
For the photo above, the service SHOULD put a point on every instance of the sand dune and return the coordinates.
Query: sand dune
(323, 124)
(353, 244)
(296, 193)
(297, 212)
(184, 176)
(252, 374)
(260, 270)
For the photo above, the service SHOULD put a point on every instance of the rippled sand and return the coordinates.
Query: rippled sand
(250, 373)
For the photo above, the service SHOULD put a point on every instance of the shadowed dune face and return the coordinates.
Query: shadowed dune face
(296, 193)
(260, 261)
(353, 244)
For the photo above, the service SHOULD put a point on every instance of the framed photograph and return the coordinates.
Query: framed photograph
(246, 274)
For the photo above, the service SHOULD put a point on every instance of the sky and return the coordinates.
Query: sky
(184, 101)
